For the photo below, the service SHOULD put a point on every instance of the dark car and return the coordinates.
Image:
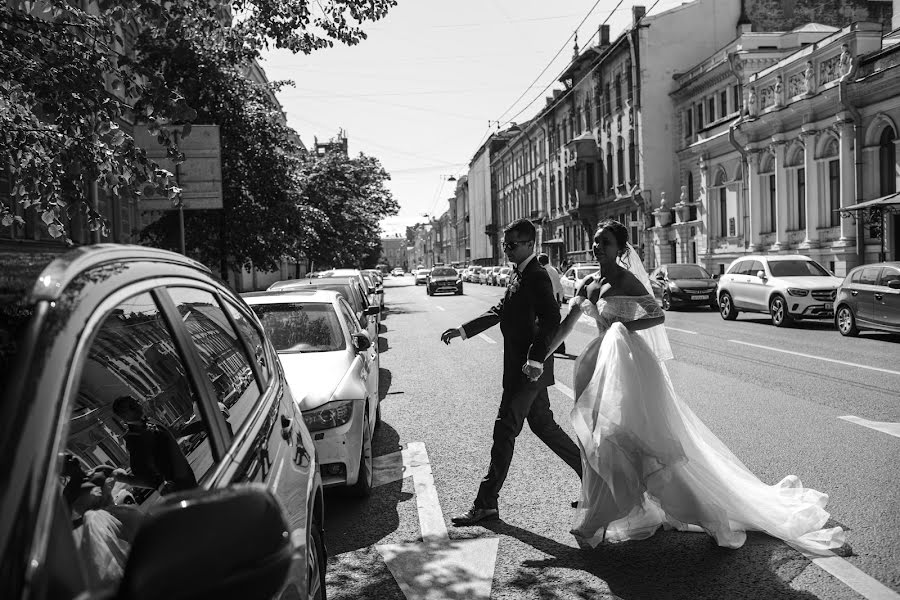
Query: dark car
(683, 285)
(869, 298)
(444, 279)
(148, 437)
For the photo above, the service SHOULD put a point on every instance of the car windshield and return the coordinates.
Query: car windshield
(688, 272)
(797, 268)
(443, 273)
(306, 327)
(341, 288)
(585, 271)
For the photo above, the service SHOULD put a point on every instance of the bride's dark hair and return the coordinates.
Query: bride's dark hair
(619, 231)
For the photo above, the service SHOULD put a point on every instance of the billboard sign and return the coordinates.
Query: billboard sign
(199, 176)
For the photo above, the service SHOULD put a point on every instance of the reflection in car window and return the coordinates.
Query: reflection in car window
(888, 275)
(753, 267)
(687, 272)
(797, 268)
(869, 275)
(351, 320)
(737, 268)
(249, 332)
(134, 434)
(854, 278)
(306, 327)
(221, 353)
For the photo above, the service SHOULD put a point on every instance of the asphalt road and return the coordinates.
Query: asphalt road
(772, 395)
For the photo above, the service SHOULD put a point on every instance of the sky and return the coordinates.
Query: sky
(431, 81)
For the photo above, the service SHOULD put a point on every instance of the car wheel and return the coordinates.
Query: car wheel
(778, 310)
(666, 300)
(315, 563)
(363, 486)
(726, 307)
(846, 322)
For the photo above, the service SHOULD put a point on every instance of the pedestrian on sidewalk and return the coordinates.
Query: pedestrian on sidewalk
(528, 316)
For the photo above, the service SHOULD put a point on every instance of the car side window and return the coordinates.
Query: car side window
(737, 268)
(252, 336)
(888, 275)
(135, 434)
(754, 267)
(351, 320)
(869, 275)
(221, 353)
(854, 278)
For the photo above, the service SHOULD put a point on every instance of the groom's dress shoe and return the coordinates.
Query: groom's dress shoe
(474, 515)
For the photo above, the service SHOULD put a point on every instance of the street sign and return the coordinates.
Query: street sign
(199, 176)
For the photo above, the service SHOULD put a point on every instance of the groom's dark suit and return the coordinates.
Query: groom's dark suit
(528, 316)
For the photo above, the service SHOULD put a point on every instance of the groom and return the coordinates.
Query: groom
(528, 316)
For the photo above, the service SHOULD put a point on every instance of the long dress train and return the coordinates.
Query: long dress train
(649, 461)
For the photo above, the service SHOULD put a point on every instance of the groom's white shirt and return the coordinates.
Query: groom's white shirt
(520, 268)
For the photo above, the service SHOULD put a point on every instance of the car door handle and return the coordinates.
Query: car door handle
(854, 293)
(879, 296)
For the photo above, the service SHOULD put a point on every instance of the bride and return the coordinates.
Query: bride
(648, 459)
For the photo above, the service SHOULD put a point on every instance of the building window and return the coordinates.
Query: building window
(609, 165)
(723, 103)
(711, 102)
(736, 93)
(620, 162)
(834, 190)
(723, 211)
(699, 116)
(773, 222)
(618, 91)
(692, 210)
(606, 101)
(688, 123)
(589, 186)
(887, 162)
(801, 198)
(632, 158)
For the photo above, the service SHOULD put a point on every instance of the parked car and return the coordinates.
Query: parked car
(493, 274)
(143, 409)
(787, 287)
(376, 289)
(473, 274)
(869, 298)
(444, 279)
(398, 272)
(332, 377)
(422, 275)
(573, 277)
(684, 285)
(484, 276)
(503, 276)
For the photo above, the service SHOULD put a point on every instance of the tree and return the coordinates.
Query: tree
(351, 194)
(73, 82)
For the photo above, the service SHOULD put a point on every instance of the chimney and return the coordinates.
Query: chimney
(604, 32)
(638, 13)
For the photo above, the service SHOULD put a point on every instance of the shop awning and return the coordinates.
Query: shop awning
(884, 201)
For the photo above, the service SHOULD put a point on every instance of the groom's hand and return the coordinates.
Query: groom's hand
(449, 335)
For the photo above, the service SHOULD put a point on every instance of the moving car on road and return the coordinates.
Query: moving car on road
(149, 439)
(869, 298)
(573, 277)
(421, 275)
(444, 279)
(788, 287)
(332, 377)
(683, 285)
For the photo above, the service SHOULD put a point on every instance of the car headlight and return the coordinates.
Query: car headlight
(328, 416)
(797, 292)
(674, 287)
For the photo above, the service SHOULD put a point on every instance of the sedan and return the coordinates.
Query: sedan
(869, 298)
(444, 279)
(683, 285)
(332, 378)
(572, 279)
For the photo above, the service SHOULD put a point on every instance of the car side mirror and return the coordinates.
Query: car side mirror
(894, 284)
(372, 310)
(715, 276)
(183, 551)
(761, 274)
(361, 342)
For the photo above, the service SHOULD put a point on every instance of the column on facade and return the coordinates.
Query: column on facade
(812, 189)
(704, 198)
(781, 195)
(848, 176)
(754, 186)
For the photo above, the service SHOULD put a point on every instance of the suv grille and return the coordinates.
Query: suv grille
(824, 294)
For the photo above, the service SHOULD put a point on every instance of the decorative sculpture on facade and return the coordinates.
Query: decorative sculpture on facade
(810, 75)
(779, 92)
(752, 106)
(845, 64)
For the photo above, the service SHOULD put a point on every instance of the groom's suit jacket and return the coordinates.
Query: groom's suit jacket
(528, 316)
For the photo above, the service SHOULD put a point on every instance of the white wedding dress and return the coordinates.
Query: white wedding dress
(649, 461)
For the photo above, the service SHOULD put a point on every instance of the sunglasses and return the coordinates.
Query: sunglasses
(511, 245)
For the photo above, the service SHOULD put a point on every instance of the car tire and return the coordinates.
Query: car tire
(315, 563)
(666, 300)
(363, 486)
(846, 321)
(726, 307)
(778, 311)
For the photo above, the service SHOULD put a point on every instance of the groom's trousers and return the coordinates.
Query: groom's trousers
(526, 401)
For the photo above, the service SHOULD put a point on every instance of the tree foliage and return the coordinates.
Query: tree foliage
(73, 81)
(351, 194)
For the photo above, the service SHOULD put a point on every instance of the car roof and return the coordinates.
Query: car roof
(774, 257)
(887, 263)
(292, 296)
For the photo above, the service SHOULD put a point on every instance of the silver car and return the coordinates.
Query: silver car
(332, 377)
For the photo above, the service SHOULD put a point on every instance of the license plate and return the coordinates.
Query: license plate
(699, 297)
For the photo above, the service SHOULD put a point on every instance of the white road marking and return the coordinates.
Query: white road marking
(831, 360)
(681, 330)
(882, 426)
(431, 519)
(864, 585)
(440, 308)
(566, 390)
(486, 338)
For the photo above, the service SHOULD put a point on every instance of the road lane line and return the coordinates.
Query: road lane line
(882, 426)
(831, 360)
(486, 338)
(440, 308)
(681, 330)
(566, 390)
(431, 519)
(861, 583)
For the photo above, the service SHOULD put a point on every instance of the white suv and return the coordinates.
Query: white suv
(788, 287)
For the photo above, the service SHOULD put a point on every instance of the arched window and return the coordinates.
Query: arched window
(830, 155)
(722, 192)
(767, 181)
(887, 162)
(692, 212)
(797, 180)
